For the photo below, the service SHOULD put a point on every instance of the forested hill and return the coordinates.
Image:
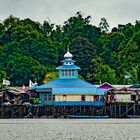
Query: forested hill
(31, 50)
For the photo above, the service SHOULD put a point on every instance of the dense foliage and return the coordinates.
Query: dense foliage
(31, 50)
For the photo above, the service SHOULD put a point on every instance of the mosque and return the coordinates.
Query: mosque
(68, 89)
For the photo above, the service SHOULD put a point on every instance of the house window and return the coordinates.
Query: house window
(49, 97)
(133, 97)
(83, 98)
(53, 98)
(45, 98)
(64, 97)
(96, 98)
(62, 72)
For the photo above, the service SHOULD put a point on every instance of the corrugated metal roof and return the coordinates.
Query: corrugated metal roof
(68, 67)
(33, 88)
(134, 86)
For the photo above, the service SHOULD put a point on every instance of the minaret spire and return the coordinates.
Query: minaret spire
(68, 49)
(68, 55)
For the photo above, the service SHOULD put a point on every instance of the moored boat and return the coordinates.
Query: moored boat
(86, 117)
(133, 116)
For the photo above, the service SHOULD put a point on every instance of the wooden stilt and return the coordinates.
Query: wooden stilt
(115, 110)
(126, 109)
(110, 110)
(134, 109)
(119, 110)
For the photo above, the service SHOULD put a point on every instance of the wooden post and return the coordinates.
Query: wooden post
(73, 110)
(103, 110)
(2, 109)
(126, 109)
(105, 113)
(84, 110)
(80, 110)
(115, 110)
(119, 110)
(110, 110)
(93, 111)
(134, 109)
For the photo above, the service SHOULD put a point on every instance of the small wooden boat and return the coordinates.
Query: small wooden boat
(86, 117)
(133, 116)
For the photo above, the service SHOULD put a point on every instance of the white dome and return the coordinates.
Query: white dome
(68, 55)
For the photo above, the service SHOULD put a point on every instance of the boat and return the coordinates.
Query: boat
(133, 116)
(86, 117)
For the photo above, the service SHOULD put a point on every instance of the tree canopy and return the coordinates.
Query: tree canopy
(32, 50)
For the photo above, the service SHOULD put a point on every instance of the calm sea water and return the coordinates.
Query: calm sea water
(69, 129)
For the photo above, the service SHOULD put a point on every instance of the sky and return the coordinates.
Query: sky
(57, 11)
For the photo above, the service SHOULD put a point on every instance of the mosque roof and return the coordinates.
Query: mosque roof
(66, 82)
(70, 86)
(68, 55)
(92, 91)
(68, 67)
(68, 60)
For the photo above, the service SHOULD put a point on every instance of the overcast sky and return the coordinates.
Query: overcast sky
(57, 11)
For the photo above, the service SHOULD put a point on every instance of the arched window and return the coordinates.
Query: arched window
(45, 98)
(66, 73)
(72, 72)
(69, 72)
(63, 73)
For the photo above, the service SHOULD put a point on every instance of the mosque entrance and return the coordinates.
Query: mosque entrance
(83, 98)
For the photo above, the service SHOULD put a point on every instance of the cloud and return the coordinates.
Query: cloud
(115, 11)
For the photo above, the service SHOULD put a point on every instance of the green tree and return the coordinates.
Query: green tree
(103, 73)
(50, 76)
(3, 76)
(83, 52)
(103, 25)
(21, 69)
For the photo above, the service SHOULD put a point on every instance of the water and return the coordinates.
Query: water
(69, 129)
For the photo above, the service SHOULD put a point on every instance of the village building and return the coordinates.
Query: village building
(126, 94)
(106, 86)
